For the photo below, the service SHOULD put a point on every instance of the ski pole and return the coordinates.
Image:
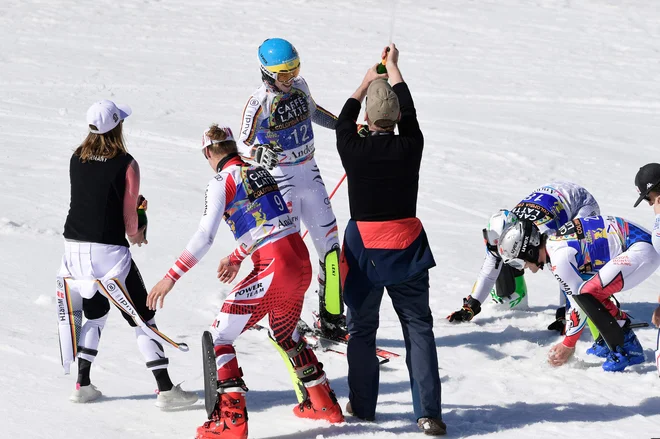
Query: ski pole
(330, 197)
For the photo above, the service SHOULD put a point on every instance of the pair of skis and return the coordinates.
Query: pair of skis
(315, 339)
(338, 344)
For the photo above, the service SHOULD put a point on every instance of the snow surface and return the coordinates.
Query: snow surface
(510, 94)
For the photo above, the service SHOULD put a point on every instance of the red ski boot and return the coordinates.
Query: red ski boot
(228, 421)
(321, 402)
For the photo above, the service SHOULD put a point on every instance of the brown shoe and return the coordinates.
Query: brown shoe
(349, 410)
(432, 426)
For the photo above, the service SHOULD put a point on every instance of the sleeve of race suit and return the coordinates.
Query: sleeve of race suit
(252, 114)
(655, 236)
(320, 115)
(324, 118)
(565, 270)
(218, 194)
(131, 193)
(487, 277)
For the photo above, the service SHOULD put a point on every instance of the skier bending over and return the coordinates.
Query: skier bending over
(248, 198)
(593, 256)
(548, 208)
(276, 132)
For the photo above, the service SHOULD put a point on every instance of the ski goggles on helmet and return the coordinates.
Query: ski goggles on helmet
(288, 76)
(516, 263)
(283, 75)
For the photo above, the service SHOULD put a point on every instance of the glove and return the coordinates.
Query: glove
(471, 307)
(266, 155)
(559, 324)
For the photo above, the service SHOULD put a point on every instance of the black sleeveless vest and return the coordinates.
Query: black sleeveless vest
(96, 213)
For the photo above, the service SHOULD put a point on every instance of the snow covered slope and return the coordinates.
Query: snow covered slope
(510, 93)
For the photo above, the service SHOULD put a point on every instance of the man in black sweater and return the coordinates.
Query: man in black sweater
(385, 245)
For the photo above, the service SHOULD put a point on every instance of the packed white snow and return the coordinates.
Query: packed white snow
(510, 94)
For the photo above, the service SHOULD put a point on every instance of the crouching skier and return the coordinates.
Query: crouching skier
(249, 200)
(591, 258)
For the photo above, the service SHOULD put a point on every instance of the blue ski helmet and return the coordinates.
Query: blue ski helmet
(279, 60)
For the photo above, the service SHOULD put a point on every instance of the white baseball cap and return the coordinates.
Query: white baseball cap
(105, 115)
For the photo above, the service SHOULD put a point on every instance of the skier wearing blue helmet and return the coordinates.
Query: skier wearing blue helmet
(276, 132)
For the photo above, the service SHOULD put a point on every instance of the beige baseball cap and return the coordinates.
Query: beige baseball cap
(382, 104)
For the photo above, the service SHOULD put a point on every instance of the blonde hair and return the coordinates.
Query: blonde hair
(219, 135)
(105, 146)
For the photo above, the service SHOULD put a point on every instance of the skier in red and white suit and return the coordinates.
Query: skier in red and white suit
(248, 199)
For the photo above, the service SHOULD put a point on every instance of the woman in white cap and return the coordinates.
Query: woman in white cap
(97, 267)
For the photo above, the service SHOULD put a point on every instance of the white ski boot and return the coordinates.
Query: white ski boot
(84, 394)
(175, 398)
(516, 300)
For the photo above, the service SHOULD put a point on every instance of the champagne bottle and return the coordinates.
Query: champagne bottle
(381, 68)
(142, 215)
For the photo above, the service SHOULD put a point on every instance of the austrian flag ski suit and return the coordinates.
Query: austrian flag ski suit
(248, 199)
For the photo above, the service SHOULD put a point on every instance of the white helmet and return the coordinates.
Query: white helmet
(520, 243)
(496, 225)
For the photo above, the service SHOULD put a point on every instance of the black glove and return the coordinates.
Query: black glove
(559, 324)
(266, 155)
(471, 307)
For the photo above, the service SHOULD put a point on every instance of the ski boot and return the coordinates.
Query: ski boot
(599, 348)
(630, 354)
(331, 326)
(510, 289)
(321, 402)
(229, 419)
(516, 300)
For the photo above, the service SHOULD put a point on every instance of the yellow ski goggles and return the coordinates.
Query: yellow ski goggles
(285, 72)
